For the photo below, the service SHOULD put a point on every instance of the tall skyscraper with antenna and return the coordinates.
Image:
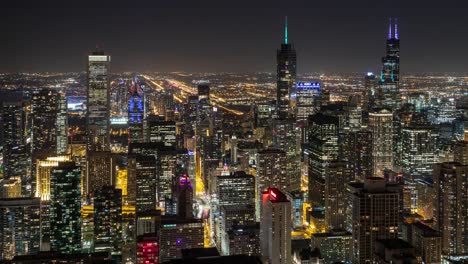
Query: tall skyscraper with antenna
(286, 77)
(389, 83)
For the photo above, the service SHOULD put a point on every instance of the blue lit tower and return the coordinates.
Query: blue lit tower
(286, 77)
(390, 74)
(136, 112)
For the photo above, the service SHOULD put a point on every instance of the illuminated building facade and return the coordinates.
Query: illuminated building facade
(44, 112)
(108, 220)
(450, 181)
(306, 94)
(14, 132)
(323, 148)
(162, 131)
(142, 175)
(285, 77)
(136, 112)
(65, 208)
(230, 216)
(243, 240)
(235, 189)
(375, 215)
(100, 171)
(43, 170)
(98, 103)
(19, 227)
(389, 83)
(358, 153)
(147, 250)
(419, 150)
(275, 227)
(62, 124)
(381, 127)
(176, 234)
(335, 247)
(370, 92)
(271, 172)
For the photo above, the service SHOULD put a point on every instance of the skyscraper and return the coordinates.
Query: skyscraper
(275, 227)
(375, 215)
(19, 227)
(389, 83)
(44, 112)
(62, 124)
(136, 112)
(370, 91)
(285, 77)
(419, 150)
(306, 94)
(323, 148)
(381, 127)
(108, 220)
(65, 208)
(451, 206)
(271, 172)
(98, 103)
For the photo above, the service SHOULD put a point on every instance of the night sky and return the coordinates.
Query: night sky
(234, 36)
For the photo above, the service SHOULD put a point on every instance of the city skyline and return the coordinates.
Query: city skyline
(195, 39)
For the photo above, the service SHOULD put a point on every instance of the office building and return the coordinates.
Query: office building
(108, 220)
(19, 227)
(419, 150)
(394, 250)
(43, 170)
(136, 112)
(100, 171)
(275, 227)
(235, 189)
(285, 77)
(161, 131)
(336, 246)
(357, 151)
(370, 92)
(271, 173)
(230, 216)
(323, 148)
(375, 215)
(306, 94)
(142, 174)
(389, 82)
(65, 208)
(44, 112)
(176, 234)
(62, 124)
(243, 240)
(98, 102)
(450, 180)
(426, 241)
